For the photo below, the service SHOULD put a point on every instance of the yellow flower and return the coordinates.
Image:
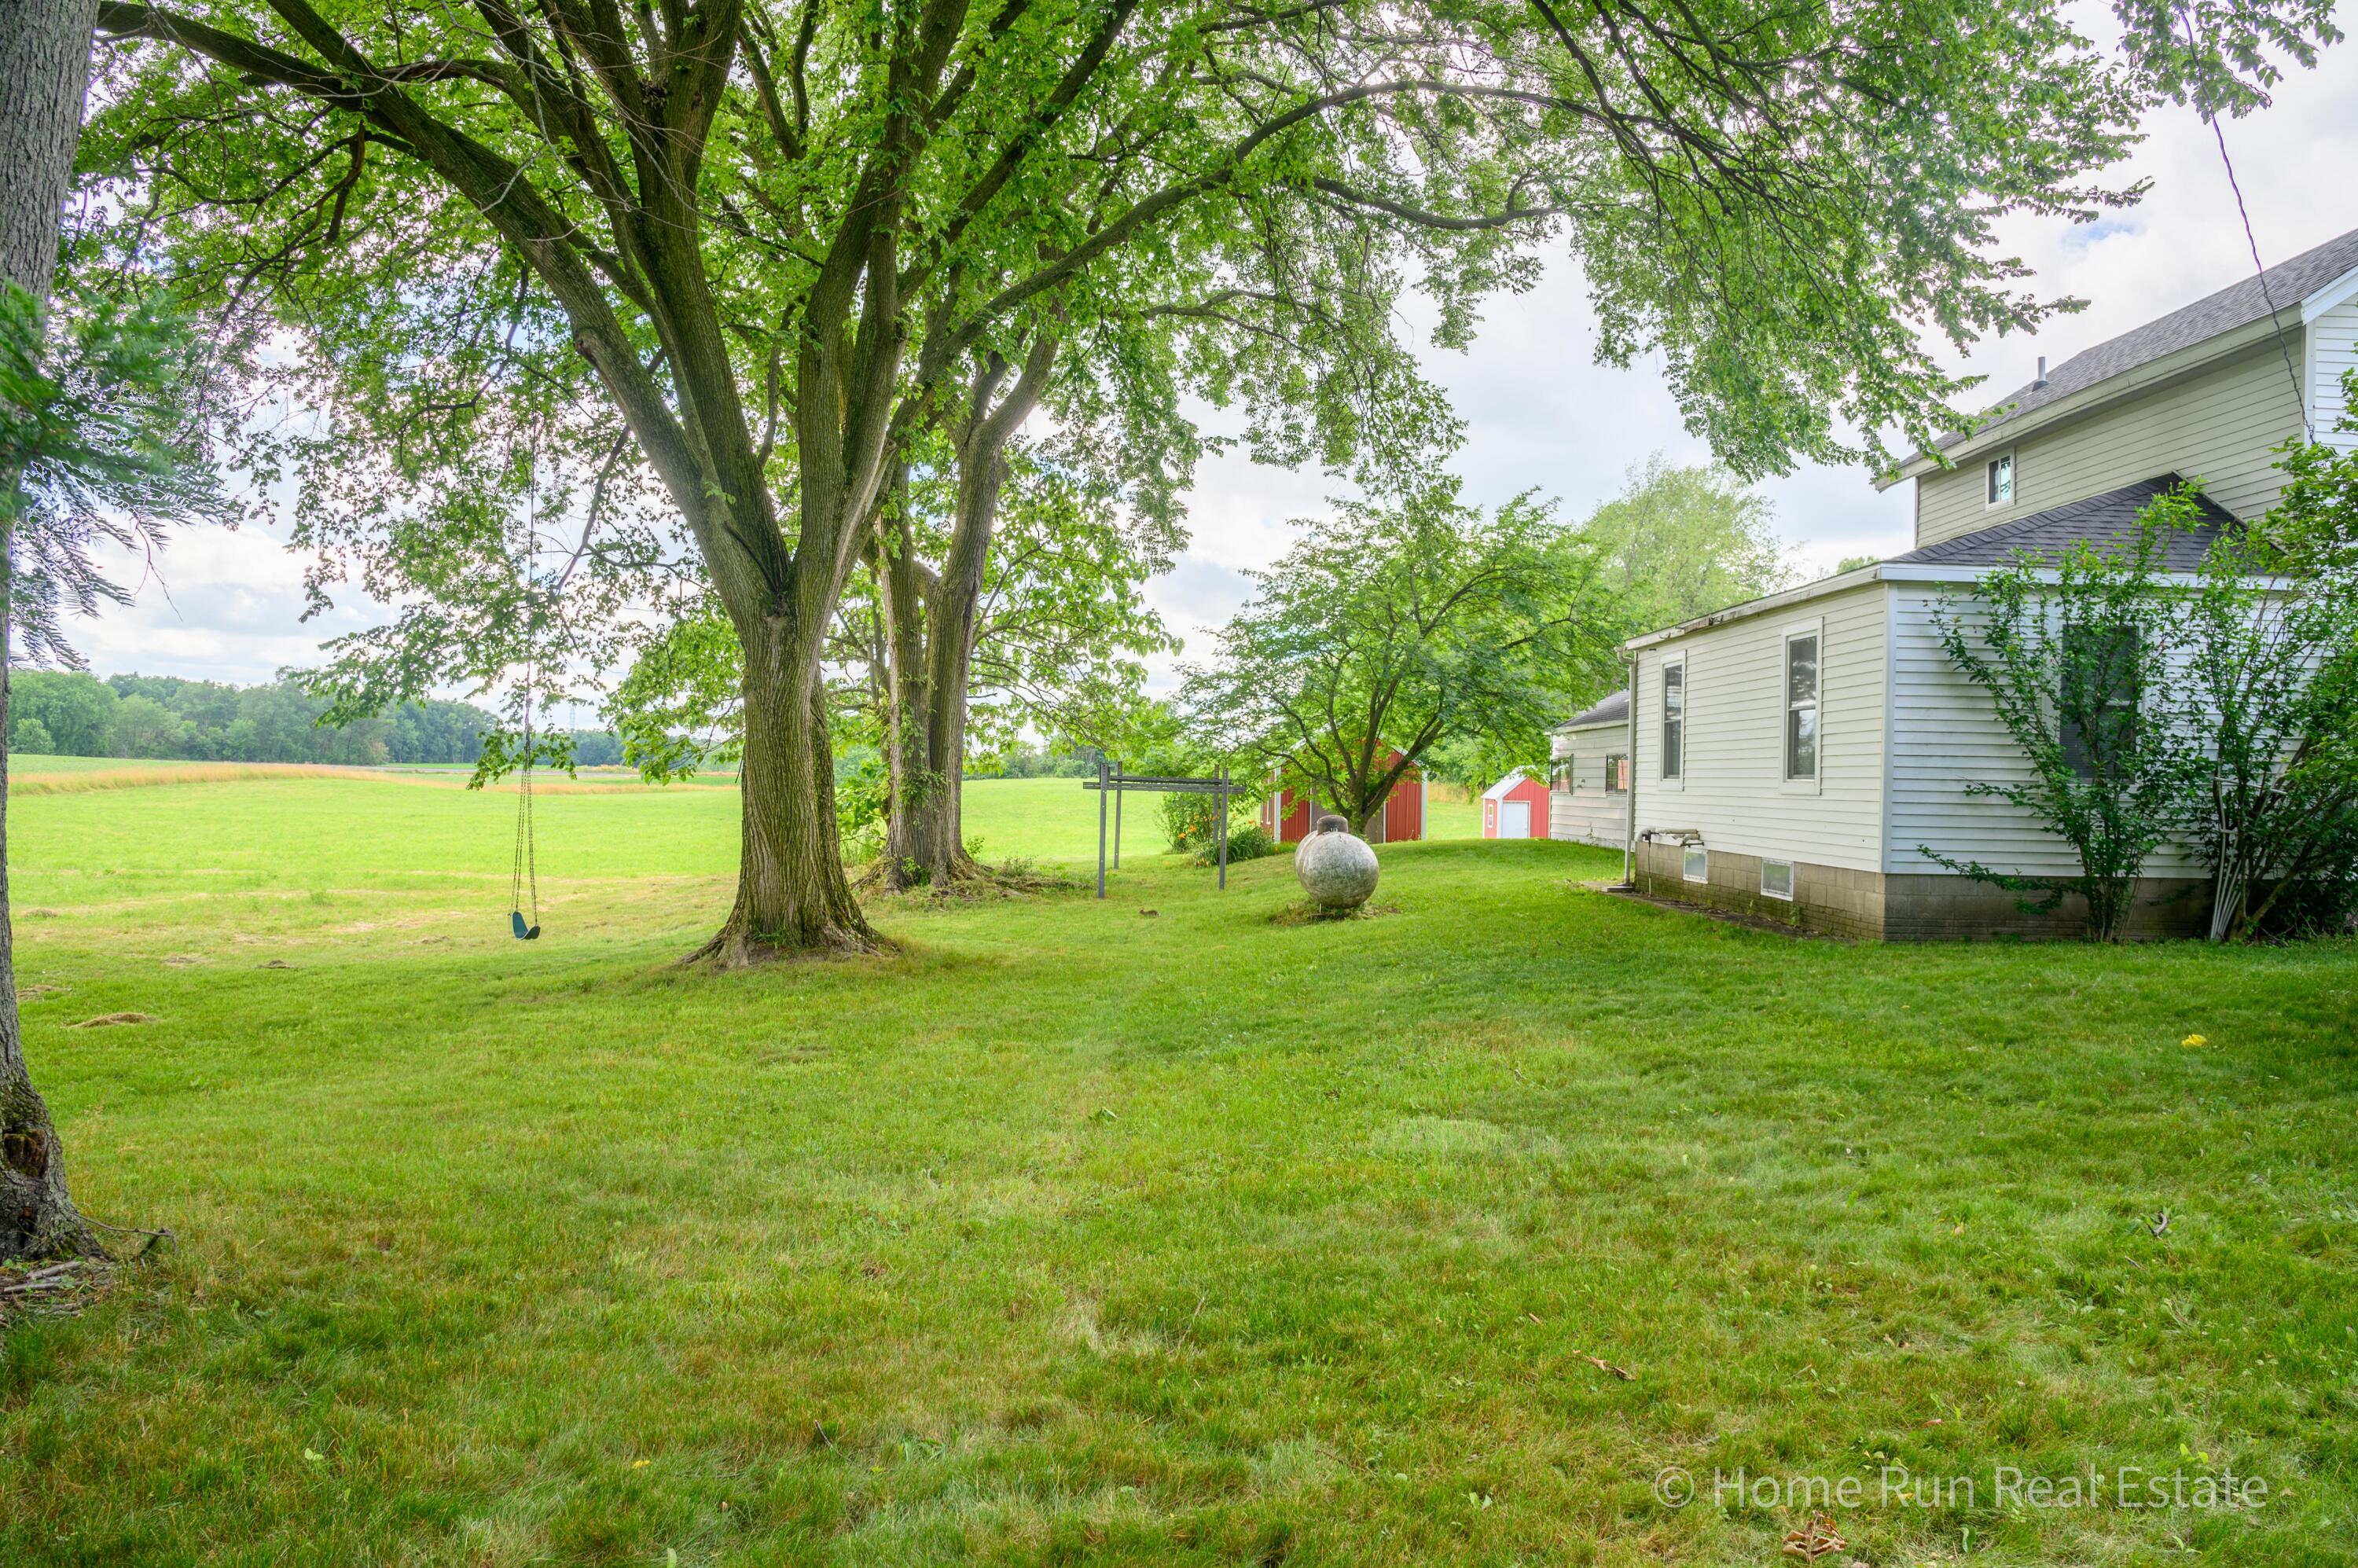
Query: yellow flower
(639, 1464)
(2195, 1039)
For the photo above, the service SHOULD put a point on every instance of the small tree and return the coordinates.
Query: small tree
(2268, 694)
(2073, 649)
(1390, 630)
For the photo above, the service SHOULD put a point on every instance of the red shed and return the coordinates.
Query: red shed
(1286, 817)
(1513, 806)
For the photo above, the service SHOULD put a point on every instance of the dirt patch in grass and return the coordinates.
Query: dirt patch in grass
(108, 1020)
(1307, 914)
(1712, 912)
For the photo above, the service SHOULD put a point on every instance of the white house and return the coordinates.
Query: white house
(1588, 784)
(1792, 756)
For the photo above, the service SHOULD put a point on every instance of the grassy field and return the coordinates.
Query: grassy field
(1076, 1233)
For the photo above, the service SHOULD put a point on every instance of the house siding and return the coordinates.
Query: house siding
(1945, 732)
(2332, 353)
(2220, 425)
(1586, 814)
(1733, 792)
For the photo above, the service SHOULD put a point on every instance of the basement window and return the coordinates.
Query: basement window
(1698, 866)
(1776, 879)
(2001, 480)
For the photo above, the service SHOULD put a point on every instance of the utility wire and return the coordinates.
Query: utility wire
(2299, 394)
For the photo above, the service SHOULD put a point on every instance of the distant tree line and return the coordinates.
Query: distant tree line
(70, 714)
(1054, 761)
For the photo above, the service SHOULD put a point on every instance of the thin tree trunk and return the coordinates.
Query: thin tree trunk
(44, 68)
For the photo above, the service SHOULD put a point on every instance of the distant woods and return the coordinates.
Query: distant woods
(69, 714)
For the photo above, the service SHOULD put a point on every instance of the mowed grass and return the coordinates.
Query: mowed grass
(1078, 1233)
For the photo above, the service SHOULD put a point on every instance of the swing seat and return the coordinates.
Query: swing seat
(522, 933)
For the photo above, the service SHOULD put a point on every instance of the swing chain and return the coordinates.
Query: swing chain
(524, 872)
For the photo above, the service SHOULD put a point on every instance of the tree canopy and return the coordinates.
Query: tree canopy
(1681, 542)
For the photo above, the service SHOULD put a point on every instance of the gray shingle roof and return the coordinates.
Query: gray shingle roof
(2100, 519)
(1614, 709)
(2237, 305)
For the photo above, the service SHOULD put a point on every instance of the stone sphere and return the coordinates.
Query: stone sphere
(1335, 867)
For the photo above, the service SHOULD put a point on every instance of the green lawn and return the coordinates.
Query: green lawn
(1074, 1234)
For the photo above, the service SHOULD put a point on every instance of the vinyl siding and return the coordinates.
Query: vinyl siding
(1733, 790)
(1587, 815)
(1945, 734)
(2219, 425)
(2333, 352)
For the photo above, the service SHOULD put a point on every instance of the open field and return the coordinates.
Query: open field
(1076, 1234)
(1038, 819)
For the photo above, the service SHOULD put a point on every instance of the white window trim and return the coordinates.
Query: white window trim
(2013, 480)
(1814, 627)
(1768, 892)
(1673, 782)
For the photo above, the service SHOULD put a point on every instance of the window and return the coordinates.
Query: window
(1560, 776)
(1801, 706)
(1698, 864)
(2098, 697)
(1674, 718)
(1776, 879)
(2001, 480)
(1617, 775)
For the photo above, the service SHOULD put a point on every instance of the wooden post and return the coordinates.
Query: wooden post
(1101, 823)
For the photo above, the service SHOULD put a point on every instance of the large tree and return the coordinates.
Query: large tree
(743, 246)
(1683, 540)
(44, 64)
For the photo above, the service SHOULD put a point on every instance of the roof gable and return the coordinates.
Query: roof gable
(2291, 284)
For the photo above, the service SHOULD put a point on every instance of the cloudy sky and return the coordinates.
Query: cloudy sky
(1539, 413)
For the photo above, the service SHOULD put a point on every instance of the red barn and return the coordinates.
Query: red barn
(1513, 805)
(1287, 817)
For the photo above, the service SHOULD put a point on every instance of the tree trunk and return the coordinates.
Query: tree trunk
(44, 68)
(933, 627)
(792, 894)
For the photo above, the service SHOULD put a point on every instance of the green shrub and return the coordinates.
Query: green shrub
(1251, 842)
(1187, 821)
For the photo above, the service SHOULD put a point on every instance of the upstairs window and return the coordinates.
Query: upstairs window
(2099, 698)
(1801, 706)
(2001, 480)
(1674, 718)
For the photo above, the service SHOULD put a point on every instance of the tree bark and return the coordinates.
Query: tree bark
(792, 893)
(935, 622)
(44, 72)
